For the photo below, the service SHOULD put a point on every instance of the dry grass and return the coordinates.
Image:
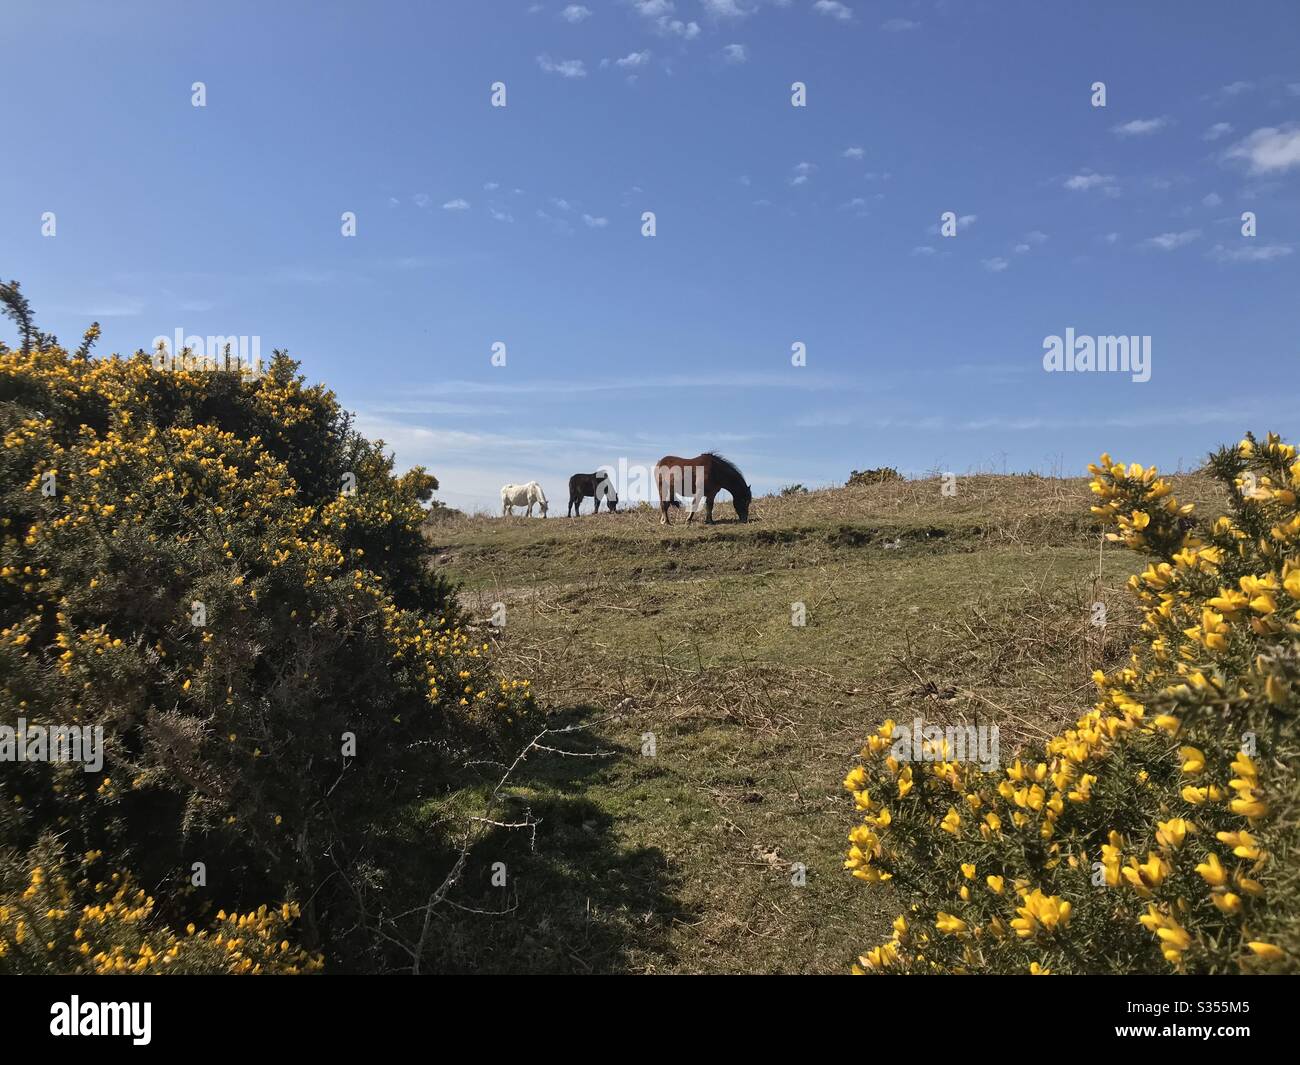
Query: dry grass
(973, 609)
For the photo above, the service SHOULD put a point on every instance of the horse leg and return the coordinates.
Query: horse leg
(708, 509)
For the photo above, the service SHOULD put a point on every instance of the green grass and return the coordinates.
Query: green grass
(966, 609)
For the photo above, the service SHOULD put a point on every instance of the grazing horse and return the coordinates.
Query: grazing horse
(522, 495)
(703, 476)
(597, 485)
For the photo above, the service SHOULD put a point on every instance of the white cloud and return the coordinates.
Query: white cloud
(501, 216)
(996, 265)
(1036, 236)
(1089, 180)
(1269, 150)
(491, 186)
(1212, 199)
(833, 9)
(633, 60)
(1139, 127)
(1170, 241)
(1237, 88)
(422, 199)
(1219, 129)
(1251, 253)
(595, 223)
(456, 205)
(735, 53)
(562, 204)
(575, 13)
(899, 25)
(653, 8)
(802, 172)
(725, 9)
(1020, 249)
(566, 68)
(923, 249)
(675, 27)
(854, 153)
(560, 225)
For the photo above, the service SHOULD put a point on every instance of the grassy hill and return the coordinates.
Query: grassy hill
(974, 608)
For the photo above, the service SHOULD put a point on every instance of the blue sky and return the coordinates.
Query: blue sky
(775, 224)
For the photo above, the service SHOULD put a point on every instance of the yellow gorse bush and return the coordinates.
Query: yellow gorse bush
(217, 570)
(78, 919)
(1160, 832)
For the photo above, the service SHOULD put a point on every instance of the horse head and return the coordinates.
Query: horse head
(742, 499)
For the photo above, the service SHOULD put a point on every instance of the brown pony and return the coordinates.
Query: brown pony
(703, 476)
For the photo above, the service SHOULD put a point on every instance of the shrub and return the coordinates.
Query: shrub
(1158, 834)
(878, 476)
(219, 572)
(65, 918)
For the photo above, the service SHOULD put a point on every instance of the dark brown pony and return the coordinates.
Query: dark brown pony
(701, 477)
(597, 485)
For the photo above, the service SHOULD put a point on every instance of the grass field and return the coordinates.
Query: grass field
(967, 609)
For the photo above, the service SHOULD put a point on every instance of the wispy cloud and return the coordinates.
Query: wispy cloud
(595, 223)
(456, 205)
(801, 380)
(899, 25)
(575, 13)
(1219, 129)
(1170, 241)
(1269, 150)
(735, 54)
(725, 9)
(1088, 179)
(565, 68)
(833, 9)
(854, 153)
(802, 172)
(1251, 253)
(1139, 127)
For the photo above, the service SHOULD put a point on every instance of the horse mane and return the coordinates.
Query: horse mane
(728, 464)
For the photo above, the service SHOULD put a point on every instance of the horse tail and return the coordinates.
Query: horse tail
(541, 496)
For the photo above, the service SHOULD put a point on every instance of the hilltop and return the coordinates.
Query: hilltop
(968, 609)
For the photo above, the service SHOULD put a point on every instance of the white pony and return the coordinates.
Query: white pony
(522, 495)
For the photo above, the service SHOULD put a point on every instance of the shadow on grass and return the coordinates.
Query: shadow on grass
(564, 896)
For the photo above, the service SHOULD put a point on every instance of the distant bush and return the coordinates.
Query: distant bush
(1162, 832)
(794, 490)
(878, 476)
(231, 582)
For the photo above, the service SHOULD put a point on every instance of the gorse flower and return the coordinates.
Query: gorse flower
(222, 574)
(1140, 839)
